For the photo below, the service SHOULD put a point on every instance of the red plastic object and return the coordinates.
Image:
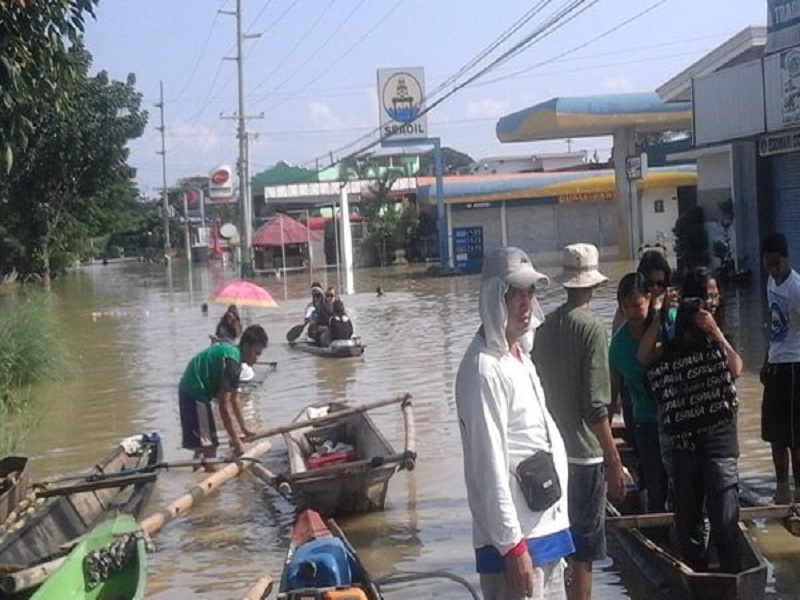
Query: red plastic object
(332, 458)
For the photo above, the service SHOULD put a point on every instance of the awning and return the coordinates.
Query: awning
(283, 229)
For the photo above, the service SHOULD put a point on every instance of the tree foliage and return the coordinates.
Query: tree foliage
(453, 162)
(35, 39)
(72, 178)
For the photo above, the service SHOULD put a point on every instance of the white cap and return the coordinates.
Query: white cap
(514, 267)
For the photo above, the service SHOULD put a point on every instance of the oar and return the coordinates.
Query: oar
(28, 578)
(749, 513)
(326, 418)
(120, 480)
(295, 331)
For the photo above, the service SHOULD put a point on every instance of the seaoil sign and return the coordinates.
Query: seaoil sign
(401, 93)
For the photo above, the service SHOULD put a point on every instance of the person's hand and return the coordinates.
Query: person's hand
(670, 298)
(520, 575)
(247, 433)
(705, 321)
(615, 480)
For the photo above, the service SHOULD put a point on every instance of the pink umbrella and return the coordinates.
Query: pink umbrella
(243, 293)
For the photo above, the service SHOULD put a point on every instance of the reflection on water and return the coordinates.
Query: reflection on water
(133, 327)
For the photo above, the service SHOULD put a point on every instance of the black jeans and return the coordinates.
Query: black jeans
(712, 483)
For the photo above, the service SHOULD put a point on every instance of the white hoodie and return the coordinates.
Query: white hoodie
(503, 419)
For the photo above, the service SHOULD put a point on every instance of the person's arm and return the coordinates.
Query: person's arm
(650, 350)
(705, 321)
(228, 409)
(483, 419)
(596, 407)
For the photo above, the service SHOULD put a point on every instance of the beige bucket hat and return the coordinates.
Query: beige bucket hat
(581, 267)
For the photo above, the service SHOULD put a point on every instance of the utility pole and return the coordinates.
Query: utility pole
(164, 199)
(243, 166)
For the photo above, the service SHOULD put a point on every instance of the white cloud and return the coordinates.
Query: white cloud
(185, 136)
(618, 85)
(486, 109)
(322, 117)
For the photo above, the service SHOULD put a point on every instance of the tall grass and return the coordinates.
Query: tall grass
(32, 349)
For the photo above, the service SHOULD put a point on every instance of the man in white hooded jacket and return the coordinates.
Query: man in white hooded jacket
(503, 420)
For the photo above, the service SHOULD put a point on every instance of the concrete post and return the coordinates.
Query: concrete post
(627, 213)
(347, 241)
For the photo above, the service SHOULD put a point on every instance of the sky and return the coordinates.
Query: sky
(310, 69)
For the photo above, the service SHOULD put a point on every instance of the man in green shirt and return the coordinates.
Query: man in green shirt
(213, 374)
(571, 355)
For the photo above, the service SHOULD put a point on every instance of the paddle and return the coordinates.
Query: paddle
(325, 418)
(295, 332)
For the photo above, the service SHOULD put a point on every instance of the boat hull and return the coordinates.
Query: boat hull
(54, 526)
(321, 563)
(650, 552)
(70, 581)
(345, 351)
(340, 489)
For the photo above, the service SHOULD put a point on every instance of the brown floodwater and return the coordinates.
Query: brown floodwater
(132, 327)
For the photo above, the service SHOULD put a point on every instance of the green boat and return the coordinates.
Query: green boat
(110, 563)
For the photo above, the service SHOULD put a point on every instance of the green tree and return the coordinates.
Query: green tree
(453, 162)
(75, 157)
(35, 39)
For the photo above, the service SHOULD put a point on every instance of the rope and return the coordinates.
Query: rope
(407, 577)
(100, 565)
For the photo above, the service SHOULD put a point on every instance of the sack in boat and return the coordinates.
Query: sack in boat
(538, 479)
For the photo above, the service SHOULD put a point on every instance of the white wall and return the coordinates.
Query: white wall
(658, 226)
(714, 171)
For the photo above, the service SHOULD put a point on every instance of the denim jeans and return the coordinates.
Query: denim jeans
(713, 483)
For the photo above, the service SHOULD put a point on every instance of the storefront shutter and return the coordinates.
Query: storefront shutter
(786, 185)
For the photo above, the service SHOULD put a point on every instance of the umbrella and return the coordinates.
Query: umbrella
(243, 293)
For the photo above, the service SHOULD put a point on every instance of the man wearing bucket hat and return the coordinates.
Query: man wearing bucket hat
(571, 353)
(519, 538)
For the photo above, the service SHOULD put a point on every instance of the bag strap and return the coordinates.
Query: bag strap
(544, 412)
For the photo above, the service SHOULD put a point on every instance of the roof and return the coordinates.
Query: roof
(590, 116)
(317, 223)
(743, 47)
(282, 229)
(569, 186)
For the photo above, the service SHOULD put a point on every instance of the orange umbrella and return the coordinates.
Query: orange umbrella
(243, 293)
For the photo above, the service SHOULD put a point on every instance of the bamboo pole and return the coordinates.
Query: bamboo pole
(643, 521)
(34, 576)
(260, 590)
(329, 417)
(210, 484)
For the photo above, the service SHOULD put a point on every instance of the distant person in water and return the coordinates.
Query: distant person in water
(213, 374)
(229, 327)
(204, 309)
(379, 291)
(340, 327)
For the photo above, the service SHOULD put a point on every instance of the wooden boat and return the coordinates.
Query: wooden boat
(110, 562)
(337, 349)
(650, 552)
(343, 481)
(13, 483)
(322, 565)
(115, 485)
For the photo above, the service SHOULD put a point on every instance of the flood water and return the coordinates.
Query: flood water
(132, 328)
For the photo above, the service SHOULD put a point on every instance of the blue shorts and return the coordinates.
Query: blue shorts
(587, 511)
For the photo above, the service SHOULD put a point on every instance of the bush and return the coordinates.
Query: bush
(32, 349)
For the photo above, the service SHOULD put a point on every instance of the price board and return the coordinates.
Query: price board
(468, 248)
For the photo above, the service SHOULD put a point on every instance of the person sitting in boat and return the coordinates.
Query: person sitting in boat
(322, 316)
(229, 327)
(213, 374)
(693, 385)
(340, 327)
(317, 300)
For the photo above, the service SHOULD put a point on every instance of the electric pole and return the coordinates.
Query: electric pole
(243, 166)
(164, 199)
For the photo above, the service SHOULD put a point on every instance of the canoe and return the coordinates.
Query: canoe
(322, 565)
(14, 483)
(649, 551)
(110, 562)
(354, 476)
(53, 527)
(338, 349)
